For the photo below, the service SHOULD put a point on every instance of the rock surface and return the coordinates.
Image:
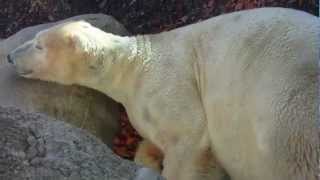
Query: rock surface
(80, 106)
(35, 147)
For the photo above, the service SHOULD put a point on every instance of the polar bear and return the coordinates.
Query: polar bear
(236, 93)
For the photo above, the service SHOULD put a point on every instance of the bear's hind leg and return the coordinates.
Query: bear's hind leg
(192, 160)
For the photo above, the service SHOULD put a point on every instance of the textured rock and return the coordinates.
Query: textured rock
(80, 106)
(33, 147)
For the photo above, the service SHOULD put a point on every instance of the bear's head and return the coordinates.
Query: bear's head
(65, 53)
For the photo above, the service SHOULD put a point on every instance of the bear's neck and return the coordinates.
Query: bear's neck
(119, 77)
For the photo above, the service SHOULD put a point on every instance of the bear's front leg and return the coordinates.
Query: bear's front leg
(192, 159)
(149, 155)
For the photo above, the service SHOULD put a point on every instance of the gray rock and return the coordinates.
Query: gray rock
(80, 106)
(34, 147)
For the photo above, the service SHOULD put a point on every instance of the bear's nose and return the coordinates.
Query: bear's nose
(10, 59)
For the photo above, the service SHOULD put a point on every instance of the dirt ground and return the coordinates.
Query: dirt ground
(139, 17)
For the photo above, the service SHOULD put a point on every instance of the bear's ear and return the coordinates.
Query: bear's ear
(78, 42)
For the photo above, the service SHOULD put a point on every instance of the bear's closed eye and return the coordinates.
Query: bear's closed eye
(39, 47)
